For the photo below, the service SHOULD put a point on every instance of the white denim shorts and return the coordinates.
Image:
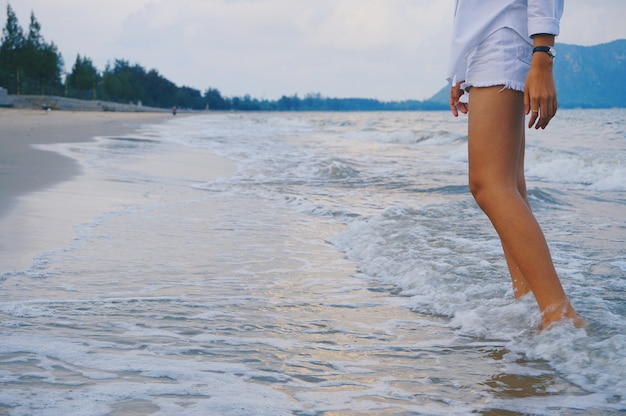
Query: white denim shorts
(502, 58)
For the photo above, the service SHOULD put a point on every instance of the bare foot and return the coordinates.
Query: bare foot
(556, 313)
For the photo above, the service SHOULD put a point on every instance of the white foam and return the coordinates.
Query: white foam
(397, 183)
(590, 168)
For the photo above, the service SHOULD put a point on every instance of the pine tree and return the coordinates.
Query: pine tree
(41, 61)
(11, 51)
(28, 65)
(83, 78)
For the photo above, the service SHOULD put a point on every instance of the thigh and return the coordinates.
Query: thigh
(496, 133)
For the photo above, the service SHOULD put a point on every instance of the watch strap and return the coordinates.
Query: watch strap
(547, 49)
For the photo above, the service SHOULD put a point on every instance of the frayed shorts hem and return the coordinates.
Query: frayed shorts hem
(506, 85)
(502, 58)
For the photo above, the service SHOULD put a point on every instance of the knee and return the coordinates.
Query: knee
(486, 193)
(493, 194)
(479, 190)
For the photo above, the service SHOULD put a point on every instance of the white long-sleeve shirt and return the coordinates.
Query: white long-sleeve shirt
(474, 20)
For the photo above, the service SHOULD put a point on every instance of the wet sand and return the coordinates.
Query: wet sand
(24, 169)
(45, 189)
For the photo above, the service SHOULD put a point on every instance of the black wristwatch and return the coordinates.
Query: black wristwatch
(547, 49)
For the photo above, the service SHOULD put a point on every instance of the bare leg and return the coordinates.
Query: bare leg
(520, 285)
(496, 135)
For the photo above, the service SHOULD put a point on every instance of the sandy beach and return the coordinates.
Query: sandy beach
(24, 169)
(45, 190)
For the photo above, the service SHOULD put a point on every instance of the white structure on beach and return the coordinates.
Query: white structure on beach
(5, 100)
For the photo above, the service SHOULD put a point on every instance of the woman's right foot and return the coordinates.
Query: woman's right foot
(557, 313)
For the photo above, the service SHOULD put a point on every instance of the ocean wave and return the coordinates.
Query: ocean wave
(458, 273)
(593, 170)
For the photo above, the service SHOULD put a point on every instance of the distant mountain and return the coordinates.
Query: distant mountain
(591, 76)
(585, 76)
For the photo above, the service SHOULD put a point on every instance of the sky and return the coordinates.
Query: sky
(383, 49)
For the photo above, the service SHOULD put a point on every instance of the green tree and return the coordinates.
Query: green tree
(83, 79)
(289, 103)
(158, 91)
(41, 62)
(246, 103)
(47, 74)
(214, 100)
(28, 65)
(123, 82)
(131, 83)
(11, 50)
(30, 56)
(188, 97)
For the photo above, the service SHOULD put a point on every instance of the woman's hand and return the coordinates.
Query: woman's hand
(455, 95)
(540, 93)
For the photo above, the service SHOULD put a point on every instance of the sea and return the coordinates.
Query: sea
(341, 268)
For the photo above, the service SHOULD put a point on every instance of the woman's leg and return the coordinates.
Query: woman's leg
(520, 285)
(496, 136)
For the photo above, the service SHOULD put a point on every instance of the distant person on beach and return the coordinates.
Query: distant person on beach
(502, 57)
(174, 110)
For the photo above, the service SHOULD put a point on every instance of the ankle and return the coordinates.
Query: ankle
(558, 312)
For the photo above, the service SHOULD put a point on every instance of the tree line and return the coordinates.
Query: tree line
(29, 65)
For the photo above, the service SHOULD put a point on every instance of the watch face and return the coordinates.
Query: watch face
(552, 52)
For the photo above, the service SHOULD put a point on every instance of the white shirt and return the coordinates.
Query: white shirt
(474, 20)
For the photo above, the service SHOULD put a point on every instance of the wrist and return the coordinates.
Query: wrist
(548, 50)
(543, 39)
(543, 62)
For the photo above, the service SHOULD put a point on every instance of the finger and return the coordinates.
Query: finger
(543, 119)
(553, 108)
(547, 112)
(455, 95)
(455, 112)
(452, 106)
(540, 112)
(534, 115)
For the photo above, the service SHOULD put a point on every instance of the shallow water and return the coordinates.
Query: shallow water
(342, 269)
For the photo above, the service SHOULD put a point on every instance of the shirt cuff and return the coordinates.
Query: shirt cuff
(548, 25)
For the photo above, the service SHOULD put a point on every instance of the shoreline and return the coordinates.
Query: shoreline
(46, 188)
(25, 169)
(52, 102)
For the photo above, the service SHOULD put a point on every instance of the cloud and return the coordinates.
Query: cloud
(387, 49)
(590, 23)
(337, 47)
